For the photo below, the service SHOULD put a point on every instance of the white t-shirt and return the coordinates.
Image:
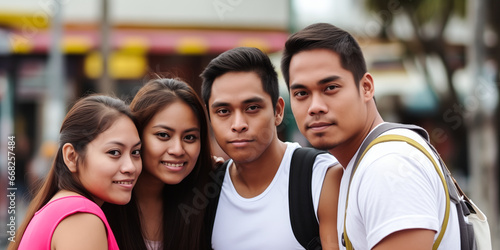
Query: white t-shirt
(153, 245)
(395, 187)
(263, 221)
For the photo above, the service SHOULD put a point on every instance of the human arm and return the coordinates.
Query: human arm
(80, 231)
(396, 202)
(327, 208)
(410, 239)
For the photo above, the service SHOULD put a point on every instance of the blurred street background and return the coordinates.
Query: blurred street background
(435, 64)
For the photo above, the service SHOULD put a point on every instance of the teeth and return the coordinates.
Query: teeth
(123, 182)
(174, 165)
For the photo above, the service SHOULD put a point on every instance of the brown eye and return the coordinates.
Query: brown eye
(162, 135)
(114, 153)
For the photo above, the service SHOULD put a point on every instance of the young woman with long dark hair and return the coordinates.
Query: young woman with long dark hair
(169, 200)
(98, 161)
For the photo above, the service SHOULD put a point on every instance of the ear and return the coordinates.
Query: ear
(70, 157)
(366, 87)
(280, 111)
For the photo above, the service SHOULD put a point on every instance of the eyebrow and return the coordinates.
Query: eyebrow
(328, 79)
(320, 82)
(195, 129)
(253, 99)
(123, 145)
(219, 104)
(249, 100)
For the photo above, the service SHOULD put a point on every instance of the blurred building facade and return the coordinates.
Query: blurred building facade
(178, 39)
(169, 38)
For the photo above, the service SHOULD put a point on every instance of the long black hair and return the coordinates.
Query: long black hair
(183, 214)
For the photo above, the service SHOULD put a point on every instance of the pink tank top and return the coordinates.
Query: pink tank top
(38, 234)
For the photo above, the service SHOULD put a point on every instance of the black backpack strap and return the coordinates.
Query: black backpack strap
(217, 176)
(302, 215)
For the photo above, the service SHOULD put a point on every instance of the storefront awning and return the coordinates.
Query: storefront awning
(154, 41)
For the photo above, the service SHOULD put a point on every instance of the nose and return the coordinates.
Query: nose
(239, 123)
(131, 165)
(318, 105)
(176, 147)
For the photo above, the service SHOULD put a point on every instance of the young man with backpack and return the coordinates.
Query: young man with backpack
(258, 207)
(394, 197)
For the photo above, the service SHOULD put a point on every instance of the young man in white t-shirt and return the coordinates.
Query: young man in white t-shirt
(396, 199)
(240, 90)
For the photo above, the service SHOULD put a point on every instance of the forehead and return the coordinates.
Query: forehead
(122, 129)
(317, 63)
(237, 87)
(172, 112)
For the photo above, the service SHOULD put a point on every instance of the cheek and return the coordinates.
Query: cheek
(152, 146)
(298, 106)
(299, 112)
(138, 165)
(150, 154)
(219, 131)
(194, 150)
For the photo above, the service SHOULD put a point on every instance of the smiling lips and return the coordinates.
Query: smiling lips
(129, 184)
(124, 182)
(173, 166)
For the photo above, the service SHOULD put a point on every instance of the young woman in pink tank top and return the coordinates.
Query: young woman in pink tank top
(98, 161)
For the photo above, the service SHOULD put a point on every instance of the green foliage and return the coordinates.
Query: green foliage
(423, 11)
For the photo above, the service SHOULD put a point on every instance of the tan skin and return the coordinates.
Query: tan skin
(166, 141)
(334, 114)
(116, 148)
(327, 208)
(249, 115)
(68, 236)
(252, 178)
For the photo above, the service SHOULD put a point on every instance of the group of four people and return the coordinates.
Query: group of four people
(97, 197)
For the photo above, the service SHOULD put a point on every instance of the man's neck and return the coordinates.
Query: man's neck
(252, 178)
(346, 151)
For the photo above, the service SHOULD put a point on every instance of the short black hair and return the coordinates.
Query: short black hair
(325, 36)
(241, 59)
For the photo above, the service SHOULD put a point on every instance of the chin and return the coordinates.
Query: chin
(173, 181)
(322, 144)
(321, 141)
(325, 147)
(125, 200)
